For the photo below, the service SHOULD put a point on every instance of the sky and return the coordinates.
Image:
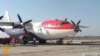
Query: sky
(88, 11)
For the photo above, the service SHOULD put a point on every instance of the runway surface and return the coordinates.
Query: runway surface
(52, 50)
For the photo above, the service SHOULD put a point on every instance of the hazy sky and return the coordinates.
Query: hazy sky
(38, 10)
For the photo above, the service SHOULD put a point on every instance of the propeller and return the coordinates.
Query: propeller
(21, 24)
(76, 26)
(63, 22)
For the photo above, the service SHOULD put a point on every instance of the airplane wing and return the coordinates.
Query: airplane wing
(28, 26)
(6, 23)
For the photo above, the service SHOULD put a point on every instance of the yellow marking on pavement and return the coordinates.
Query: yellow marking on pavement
(5, 50)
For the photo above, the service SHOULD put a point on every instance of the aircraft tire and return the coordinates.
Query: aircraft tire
(24, 40)
(42, 41)
(60, 41)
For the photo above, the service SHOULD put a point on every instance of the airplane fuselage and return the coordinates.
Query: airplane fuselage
(48, 33)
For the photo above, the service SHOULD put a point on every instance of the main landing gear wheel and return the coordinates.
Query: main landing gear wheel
(60, 41)
(24, 40)
(42, 41)
(34, 41)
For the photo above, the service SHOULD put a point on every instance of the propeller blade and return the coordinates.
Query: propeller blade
(1, 17)
(25, 30)
(2, 29)
(78, 22)
(65, 20)
(73, 23)
(80, 30)
(19, 18)
(27, 22)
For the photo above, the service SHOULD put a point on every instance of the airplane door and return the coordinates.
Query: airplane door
(38, 29)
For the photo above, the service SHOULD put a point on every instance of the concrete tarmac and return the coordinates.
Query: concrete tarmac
(52, 50)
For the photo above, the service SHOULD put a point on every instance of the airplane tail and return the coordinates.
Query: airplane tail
(7, 17)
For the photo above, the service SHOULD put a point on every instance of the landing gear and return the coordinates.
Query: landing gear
(24, 40)
(60, 41)
(69, 42)
(42, 41)
(5, 41)
(34, 41)
(13, 42)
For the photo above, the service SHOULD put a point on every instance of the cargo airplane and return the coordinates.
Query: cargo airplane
(54, 29)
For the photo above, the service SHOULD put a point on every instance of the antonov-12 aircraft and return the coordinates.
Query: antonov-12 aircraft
(53, 29)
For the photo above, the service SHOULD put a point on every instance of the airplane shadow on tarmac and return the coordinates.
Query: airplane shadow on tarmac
(54, 44)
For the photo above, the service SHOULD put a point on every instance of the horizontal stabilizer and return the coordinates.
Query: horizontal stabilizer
(6, 23)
